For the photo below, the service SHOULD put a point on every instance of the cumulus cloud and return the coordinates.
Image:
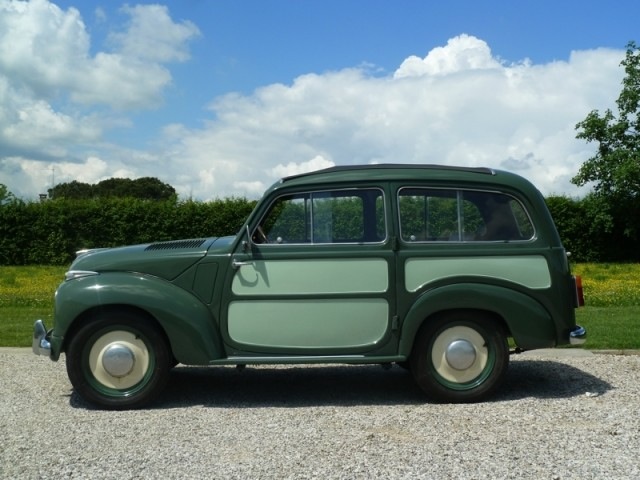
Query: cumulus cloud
(54, 91)
(151, 35)
(463, 108)
(45, 50)
(292, 168)
(457, 105)
(461, 53)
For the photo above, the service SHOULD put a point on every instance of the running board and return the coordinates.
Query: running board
(302, 359)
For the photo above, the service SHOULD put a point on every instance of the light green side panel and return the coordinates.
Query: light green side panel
(309, 323)
(530, 271)
(303, 277)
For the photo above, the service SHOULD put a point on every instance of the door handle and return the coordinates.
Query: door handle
(237, 264)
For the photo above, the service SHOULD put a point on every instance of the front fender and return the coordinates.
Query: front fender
(187, 322)
(528, 321)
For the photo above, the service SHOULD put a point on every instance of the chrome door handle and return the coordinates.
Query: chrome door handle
(237, 264)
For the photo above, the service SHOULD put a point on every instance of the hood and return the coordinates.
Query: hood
(162, 259)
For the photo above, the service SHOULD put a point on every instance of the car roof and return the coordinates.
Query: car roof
(403, 172)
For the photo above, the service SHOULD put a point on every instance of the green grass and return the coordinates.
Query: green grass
(611, 328)
(26, 294)
(611, 317)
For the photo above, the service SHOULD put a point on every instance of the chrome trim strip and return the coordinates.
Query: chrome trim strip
(73, 274)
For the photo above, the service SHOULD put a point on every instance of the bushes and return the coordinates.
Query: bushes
(51, 232)
(593, 230)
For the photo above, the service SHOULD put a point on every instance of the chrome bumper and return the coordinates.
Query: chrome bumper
(577, 335)
(40, 344)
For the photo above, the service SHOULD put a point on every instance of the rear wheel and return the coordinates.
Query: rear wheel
(119, 360)
(461, 357)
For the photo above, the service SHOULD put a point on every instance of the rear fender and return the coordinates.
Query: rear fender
(188, 324)
(527, 320)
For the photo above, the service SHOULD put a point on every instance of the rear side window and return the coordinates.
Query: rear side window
(448, 215)
(335, 216)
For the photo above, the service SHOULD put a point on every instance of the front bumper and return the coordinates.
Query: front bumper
(41, 344)
(577, 335)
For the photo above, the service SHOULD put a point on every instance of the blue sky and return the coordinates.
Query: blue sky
(221, 97)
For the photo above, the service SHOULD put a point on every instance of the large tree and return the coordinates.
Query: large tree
(614, 170)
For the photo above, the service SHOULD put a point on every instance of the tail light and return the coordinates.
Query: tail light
(579, 292)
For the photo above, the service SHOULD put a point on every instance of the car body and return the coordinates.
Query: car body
(431, 267)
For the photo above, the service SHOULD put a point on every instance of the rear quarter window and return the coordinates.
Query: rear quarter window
(450, 215)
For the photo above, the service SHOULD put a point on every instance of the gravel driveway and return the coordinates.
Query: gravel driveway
(558, 416)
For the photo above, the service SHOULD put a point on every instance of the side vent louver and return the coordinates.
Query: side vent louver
(176, 245)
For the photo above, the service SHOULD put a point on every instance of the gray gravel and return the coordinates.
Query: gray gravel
(558, 416)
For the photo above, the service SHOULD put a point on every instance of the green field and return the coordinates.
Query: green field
(611, 317)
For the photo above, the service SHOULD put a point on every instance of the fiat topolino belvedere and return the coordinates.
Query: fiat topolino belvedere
(434, 268)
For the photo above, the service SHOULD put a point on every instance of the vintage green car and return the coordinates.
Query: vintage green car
(430, 267)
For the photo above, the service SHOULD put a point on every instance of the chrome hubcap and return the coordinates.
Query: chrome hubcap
(460, 354)
(118, 360)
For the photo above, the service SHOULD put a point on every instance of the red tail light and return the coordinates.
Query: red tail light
(579, 292)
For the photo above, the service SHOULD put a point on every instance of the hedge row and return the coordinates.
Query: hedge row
(596, 231)
(51, 232)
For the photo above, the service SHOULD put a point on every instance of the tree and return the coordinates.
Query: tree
(71, 190)
(615, 168)
(150, 188)
(145, 188)
(6, 196)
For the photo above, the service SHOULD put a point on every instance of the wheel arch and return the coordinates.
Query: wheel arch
(88, 315)
(521, 316)
(186, 323)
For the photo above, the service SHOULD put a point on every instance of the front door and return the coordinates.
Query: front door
(316, 277)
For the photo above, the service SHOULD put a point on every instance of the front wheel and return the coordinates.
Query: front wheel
(460, 357)
(118, 360)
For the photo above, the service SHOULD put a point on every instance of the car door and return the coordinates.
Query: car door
(315, 276)
(449, 234)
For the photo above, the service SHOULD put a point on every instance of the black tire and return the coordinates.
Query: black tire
(460, 357)
(118, 360)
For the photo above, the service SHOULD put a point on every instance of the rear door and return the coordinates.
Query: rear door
(450, 235)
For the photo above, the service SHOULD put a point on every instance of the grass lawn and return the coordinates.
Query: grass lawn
(26, 294)
(611, 328)
(611, 317)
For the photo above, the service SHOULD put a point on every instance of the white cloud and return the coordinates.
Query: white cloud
(461, 53)
(57, 98)
(36, 123)
(459, 105)
(467, 108)
(151, 35)
(292, 168)
(34, 32)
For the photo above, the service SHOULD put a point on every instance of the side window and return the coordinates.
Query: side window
(428, 215)
(503, 218)
(336, 216)
(445, 215)
(288, 221)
